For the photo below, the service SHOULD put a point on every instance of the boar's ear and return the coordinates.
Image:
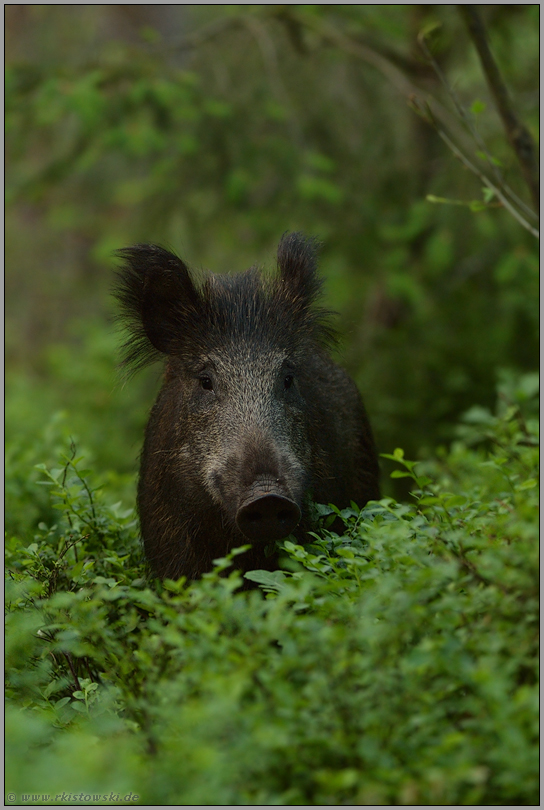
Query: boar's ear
(300, 286)
(158, 303)
(297, 262)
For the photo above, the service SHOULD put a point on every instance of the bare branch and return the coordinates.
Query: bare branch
(517, 133)
(271, 62)
(519, 136)
(427, 114)
(469, 123)
(328, 33)
(384, 64)
(200, 37)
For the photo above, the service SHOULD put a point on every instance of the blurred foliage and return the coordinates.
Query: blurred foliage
(214, 129)
(396, 663)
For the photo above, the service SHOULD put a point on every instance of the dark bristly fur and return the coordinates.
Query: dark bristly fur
(253, 416)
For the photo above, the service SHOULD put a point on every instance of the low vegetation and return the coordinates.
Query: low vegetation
(393, 664)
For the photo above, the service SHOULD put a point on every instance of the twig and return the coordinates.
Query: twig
(429, 117)
(472, 129)
(331, 34)
(394, 75)
(270, 59)
(517, 133)
(268, 51)
(66, 466)
(197, 38)
(72, 670)
(326, 31)
(89, 493)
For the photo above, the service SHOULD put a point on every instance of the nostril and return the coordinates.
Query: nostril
(270, 517)
(283, 516)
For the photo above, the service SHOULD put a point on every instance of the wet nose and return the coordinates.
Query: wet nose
(269, 517)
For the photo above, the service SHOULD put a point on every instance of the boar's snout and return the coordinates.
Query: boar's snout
(267, 516)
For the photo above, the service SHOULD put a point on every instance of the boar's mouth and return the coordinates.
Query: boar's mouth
(266, 516)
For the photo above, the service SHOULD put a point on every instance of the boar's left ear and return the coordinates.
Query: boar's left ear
(299, 287)
(297, 263)
(159, 303)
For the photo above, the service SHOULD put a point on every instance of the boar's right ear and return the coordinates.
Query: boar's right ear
(158, 303)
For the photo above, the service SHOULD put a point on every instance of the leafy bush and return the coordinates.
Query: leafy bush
(393, 664)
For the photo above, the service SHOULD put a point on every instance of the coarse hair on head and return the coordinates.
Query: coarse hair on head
(166, 311)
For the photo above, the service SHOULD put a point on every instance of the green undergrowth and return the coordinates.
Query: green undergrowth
(395, 663)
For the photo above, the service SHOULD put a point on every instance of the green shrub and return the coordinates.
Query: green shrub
(393, 664)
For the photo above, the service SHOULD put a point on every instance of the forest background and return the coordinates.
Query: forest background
(213, 129)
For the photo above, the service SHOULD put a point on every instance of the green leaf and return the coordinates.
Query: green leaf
(488, 194)
(275, 580)
(478, 107)
(311, 187)
(531, 483)
(455, 500)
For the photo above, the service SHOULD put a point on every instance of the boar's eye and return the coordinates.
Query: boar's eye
(206, 383)
(288, 381)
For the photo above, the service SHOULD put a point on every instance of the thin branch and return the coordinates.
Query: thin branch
(265, 43)
(87, 490)
(517, 133)
(331, 34)
(73, 671)
(268, 51)
(271, 63)
(198, 38)
(427, 114)
(394, 74)
(327, 32)
(469, 123)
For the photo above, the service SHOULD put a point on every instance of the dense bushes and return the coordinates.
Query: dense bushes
(394, 664)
